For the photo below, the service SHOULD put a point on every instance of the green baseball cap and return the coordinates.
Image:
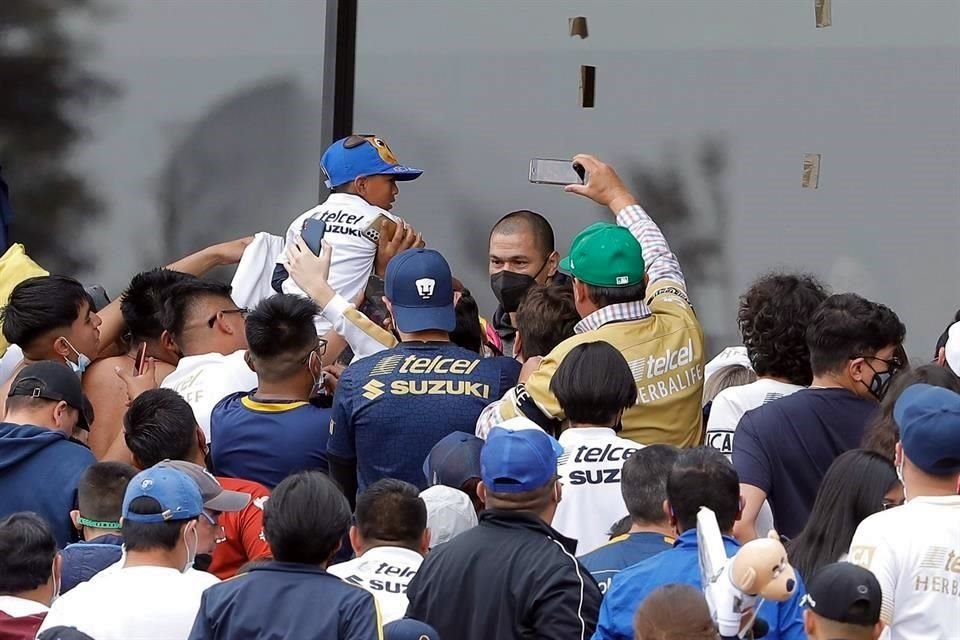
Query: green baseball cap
(605, 255)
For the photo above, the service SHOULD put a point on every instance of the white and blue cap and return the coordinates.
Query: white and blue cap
(518, 461)
(176, 493)
(419, 286)
(359, 156)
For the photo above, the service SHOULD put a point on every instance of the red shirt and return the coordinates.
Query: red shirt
(243, 531)
(20, 628)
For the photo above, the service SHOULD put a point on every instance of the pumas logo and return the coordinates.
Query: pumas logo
(425, 287)
(373, 390)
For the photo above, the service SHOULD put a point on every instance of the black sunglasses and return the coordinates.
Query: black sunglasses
(243, 314)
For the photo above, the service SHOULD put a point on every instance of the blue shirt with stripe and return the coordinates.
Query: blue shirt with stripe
(622, 552)
(266, 440)
(392, 407)
(681, 565)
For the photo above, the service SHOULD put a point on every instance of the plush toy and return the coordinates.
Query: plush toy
(734, 586)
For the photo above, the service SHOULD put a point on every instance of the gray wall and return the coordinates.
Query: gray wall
(708, 108)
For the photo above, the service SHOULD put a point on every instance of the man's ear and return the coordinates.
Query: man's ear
(898, 454)
(810, 623)
(168, 344)
(60, 412)
(75, 519)
(855, 369)
(517, 346)
(61, 348)
(248, 358)
(482, 492)
(201, 440)
(668, 512)
(355, 541)
(942, 357)
(553, 263)
(425, 541)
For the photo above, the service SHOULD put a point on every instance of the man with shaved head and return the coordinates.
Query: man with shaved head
(521, 255)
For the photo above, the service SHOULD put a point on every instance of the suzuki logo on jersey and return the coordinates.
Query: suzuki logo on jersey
(439, 388)
(372, 390)
(425, 287)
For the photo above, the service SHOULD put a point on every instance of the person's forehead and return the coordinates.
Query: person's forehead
(516, 243)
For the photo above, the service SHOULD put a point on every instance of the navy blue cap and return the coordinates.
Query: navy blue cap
(453, 460)
(419, 286)
(409, 629)
(518, 461)
(929, 421)
(360, 156)
(846, 593)
(178, 495)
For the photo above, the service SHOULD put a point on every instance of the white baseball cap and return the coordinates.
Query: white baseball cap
(449, 513)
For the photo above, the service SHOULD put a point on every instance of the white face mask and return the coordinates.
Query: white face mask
(191, 555)
(82, 361)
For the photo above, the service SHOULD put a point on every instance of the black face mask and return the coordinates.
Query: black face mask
(880, 382)
(202, 561)
(510, 287)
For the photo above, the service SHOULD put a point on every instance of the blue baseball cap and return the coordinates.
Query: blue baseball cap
(518, 461)
(453, 460)
(359, 156)
(929, 421)
(409, 629)
(178, 495)
(419, 285)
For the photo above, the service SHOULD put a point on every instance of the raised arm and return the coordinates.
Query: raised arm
(605, 187)
(197, 264)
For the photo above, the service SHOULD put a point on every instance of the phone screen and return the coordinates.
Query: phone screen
(546, 171)
(312, 234)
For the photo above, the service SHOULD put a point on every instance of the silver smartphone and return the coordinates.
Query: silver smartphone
(547, 171)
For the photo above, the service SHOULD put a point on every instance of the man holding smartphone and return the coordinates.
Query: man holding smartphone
(629, 291)
(362, 174)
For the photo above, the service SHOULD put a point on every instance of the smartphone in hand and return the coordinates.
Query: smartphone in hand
(312, 233)
(563, 172)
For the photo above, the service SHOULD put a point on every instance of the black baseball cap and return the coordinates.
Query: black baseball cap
(51, 380)
(844, 592)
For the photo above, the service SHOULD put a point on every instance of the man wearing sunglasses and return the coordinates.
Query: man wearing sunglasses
(208, 331)
(782, 449)
(362, 174)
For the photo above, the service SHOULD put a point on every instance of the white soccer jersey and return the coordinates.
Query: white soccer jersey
(385, 572)
(589, 470)
(914, 551)
(347, 217)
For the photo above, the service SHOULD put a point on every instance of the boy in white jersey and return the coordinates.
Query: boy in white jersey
(361, 172)
(914, 550)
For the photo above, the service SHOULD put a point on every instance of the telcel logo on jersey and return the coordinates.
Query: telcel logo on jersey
(689, 373)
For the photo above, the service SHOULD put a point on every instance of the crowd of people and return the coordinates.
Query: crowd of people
(339, 444)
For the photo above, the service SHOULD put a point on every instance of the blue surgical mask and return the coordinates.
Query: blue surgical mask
(82, 361)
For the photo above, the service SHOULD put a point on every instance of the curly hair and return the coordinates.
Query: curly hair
(773, 318)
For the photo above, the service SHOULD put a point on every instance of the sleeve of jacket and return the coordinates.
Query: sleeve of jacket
(360, 620)
(363, 335)
(532, 399)
(569, 605)
(611, 615)
(202, 629)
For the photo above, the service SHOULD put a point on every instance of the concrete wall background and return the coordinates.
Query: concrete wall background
(470, 92)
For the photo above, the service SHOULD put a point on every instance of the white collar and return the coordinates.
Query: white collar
(392, 553)
(577, 434)
(21, 607)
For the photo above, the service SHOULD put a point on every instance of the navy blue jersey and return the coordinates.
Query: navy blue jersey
(265, 441)
(392, 407)
(623, 551)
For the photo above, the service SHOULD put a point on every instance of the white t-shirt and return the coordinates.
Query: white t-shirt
(731, 403)
(205, 380)
(134, 603)
(385, 572)
(589, 470)
(914, 551)
(347, 217)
